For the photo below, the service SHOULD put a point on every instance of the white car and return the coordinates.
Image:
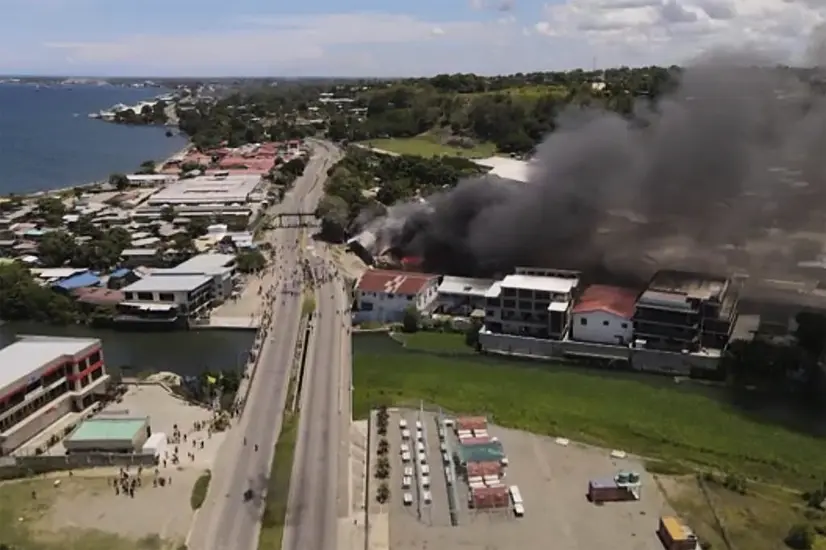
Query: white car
(405, 434)
(448, 422)
(420, 447)
(408, 471)
(420, 435)
(406, 482)
(405, 448)
(446, 458)
(423, 458)
(443, 446)
(408, 499)
(406, 457)
(425, 482)
(419, 425)
(402, 423)
(428, 498)
(425, 470)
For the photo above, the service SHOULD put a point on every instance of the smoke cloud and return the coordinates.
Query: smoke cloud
(725, 174)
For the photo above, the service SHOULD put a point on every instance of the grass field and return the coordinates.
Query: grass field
(651, 417)
(21, 517)
(439, 342)
(278, 487)
(758, 519)
(531, 92)
(429, 146)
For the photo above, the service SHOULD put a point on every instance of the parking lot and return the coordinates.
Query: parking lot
(552, 478)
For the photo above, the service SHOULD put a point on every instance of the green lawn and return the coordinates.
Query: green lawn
(200, 490)
(439, 342)
(429, 146)
(655, 419)
(278, 487)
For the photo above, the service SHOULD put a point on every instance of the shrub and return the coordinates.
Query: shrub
(801, 537)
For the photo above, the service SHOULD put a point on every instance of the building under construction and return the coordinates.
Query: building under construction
(683, 311)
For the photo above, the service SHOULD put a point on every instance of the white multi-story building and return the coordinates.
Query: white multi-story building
(462, 295)
(382, 296)
(533, 302)
(166, 298)
(604, 315)
(220, 267)
(44, 378)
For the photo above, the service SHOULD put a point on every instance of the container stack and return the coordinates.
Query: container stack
(490, 497)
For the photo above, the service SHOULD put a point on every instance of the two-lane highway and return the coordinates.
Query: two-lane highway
(227, 521)
(316, 487)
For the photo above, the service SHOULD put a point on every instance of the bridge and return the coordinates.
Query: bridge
(294, 219)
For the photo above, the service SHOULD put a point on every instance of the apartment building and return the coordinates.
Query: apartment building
(534, 302)
(686, 311)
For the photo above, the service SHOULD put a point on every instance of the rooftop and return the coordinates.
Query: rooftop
(207, 189)
(700, 286)
(96, 429)
(560, 285)
(80, 280)
(205, 263)
(168, 283)
(507, 168)
(25, 356)
(393, 282)
(465, 286)
(610, 299)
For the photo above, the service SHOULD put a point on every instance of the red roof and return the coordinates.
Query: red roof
(610, 299)
(394, 282)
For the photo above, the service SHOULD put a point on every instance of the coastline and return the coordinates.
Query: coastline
(61, 190)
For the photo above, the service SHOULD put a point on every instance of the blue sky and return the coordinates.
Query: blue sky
(380, 38)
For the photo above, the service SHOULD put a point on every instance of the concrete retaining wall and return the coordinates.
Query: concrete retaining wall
(24, 466)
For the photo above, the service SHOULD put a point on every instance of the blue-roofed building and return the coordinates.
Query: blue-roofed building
(81, 280)
(118, 273)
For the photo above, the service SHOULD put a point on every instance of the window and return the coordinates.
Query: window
(605, 323)
(94, 358)
(166, 297)
(583, 321)
(624, 325)
(145, 296)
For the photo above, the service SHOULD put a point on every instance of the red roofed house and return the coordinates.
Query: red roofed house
(383, 295)
(603, 314)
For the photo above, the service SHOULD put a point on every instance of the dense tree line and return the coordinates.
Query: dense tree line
(149, 114)
(513, 112)
(22, 298)
(367, 183)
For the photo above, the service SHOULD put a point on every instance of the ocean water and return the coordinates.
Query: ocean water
(48, 142)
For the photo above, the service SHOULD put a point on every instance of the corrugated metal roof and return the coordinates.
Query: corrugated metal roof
(168, 283)
(611, 299)
(80, 280)
(122, 272)
(393, 282)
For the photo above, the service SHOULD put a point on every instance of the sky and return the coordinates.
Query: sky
(386, 38)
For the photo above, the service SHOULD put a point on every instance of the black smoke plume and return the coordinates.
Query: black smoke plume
(724, 174)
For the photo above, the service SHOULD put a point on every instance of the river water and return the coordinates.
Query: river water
(182, 352)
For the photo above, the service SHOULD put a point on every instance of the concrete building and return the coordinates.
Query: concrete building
(44, 378)
(217, 189)
(151, 179)
(165, 298)
(462, 295)
(382, 295)
(109, 435)
(604, 315)
(220, 267)
(533, 302)
(684, 311)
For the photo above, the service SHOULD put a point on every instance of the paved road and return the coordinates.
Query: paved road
(226, 522)
(319, 489)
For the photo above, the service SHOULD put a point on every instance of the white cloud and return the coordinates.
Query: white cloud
(666, 31)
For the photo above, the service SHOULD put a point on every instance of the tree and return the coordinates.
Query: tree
(383, 493)
(119, 181)
(197, 227)
(411, 320)
(51, 210)
(801, 537)
(147, 167)
(56, 248)
(333, 212)
(168, 213)
(23, 299)
(250, 261)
